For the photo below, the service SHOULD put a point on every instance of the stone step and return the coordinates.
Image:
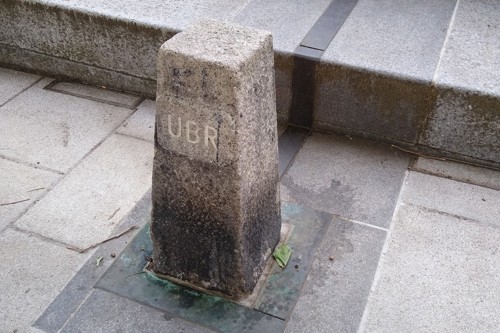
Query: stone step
(419, 74)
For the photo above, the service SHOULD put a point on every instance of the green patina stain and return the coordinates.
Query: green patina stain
(127, 277)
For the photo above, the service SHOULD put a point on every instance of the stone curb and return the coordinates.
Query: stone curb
(115, 52)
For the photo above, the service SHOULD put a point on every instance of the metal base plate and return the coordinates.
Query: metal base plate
(126, 277)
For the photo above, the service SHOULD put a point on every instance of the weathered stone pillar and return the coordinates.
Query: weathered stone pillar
(216, 208)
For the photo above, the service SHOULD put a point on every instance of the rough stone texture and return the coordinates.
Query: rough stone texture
(461, 172)
(399, 38)
(32, 272)
(216, 214)
(356, 101)
(82, 37)
(103, 312)
(336, 291)
(288, 21)
(54, 130)
(109, 181)
(440, 274)
(100, 94)
(452, 197)
(13, 83)
(377, 84)
(355, 179)
(69, 43)
(470, 60)
(465, 123)
(283, 68)
(177, 15)
(128, 33)
(142, 123)
(20, 182)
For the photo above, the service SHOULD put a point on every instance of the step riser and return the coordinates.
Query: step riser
(391, 108)
(436, 120)
(465, 123)
(72, 44)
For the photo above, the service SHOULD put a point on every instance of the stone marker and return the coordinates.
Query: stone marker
(216, 206)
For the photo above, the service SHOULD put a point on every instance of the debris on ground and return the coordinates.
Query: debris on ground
(282, 254)
(102, 242)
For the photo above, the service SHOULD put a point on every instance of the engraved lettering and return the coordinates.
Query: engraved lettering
(179, 127)
(210, 135)
(190, 130)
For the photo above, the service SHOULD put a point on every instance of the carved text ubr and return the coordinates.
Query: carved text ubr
(191, 130)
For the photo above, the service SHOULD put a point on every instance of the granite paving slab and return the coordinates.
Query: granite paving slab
(32, 273)
(399, 38)
(356, 179)
(452, 197)
(81, 285)
(440, 274)
(471, 59)
(13, 83)
(337, 288)
(142, 123)
(21, 185)
(288, 21)
(54, 130)
(90, 201)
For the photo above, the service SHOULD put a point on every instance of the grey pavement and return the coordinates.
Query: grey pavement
(33, 270)
(397, 38)
(346, 177)
(54, 130)
(471, 59)
(413, 243)
(439, 273)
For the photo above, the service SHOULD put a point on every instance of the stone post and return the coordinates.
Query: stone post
(216, 206)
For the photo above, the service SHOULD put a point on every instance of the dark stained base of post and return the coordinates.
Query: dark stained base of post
(126, 277)
(194, 228)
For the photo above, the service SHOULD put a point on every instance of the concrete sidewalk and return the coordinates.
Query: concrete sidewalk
(413, 244)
